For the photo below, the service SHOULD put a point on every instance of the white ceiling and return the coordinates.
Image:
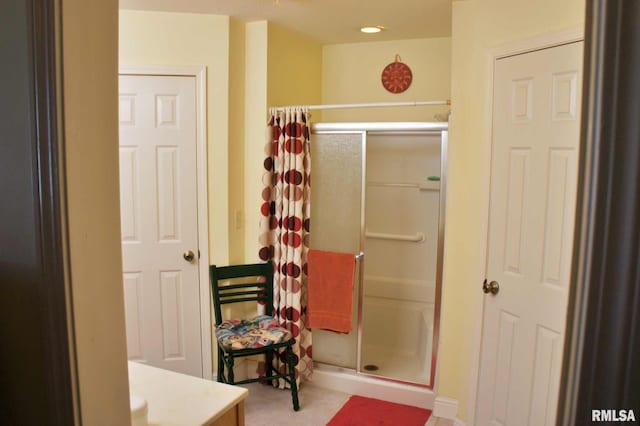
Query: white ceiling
(327, 21)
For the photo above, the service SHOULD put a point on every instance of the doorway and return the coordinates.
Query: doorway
(536, 116)
(164, 220)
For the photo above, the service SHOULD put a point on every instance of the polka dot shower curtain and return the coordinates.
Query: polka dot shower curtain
(284, 226)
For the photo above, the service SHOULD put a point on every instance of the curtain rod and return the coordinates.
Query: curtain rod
(373, 105)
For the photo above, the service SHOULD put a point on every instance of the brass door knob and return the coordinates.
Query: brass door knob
(189, 255)
(493, 287)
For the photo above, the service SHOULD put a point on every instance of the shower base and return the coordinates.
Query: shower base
(348, 381)
(403, 367)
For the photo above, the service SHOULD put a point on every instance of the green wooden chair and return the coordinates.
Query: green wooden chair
(244, 337)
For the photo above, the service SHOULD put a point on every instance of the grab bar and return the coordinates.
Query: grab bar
(417, 238)
(424, 186)
(395, 185)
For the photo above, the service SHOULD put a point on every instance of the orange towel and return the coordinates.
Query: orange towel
(330, 290)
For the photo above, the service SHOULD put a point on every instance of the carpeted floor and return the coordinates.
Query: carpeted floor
(267, 406)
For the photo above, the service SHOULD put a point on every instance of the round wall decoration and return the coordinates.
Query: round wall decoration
(396, 77)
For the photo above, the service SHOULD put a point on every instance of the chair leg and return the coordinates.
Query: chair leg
(269, 365)
(292, 379)
(220, 366)
(230, 372)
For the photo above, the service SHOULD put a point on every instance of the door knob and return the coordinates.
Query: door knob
(189, 255)
(493, 287)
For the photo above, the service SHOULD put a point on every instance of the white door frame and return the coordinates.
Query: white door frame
(200, 74)
(491, 56)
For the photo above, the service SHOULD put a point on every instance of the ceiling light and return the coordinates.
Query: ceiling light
(371, 30)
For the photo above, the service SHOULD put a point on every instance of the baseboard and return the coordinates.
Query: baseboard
(445, 408)
(433, 421)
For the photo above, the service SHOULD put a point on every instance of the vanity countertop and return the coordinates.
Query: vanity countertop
(178, 399)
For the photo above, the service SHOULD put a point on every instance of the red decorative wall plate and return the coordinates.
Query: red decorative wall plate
(396, 77)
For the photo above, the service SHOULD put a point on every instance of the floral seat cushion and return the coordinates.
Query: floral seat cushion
(257, 332)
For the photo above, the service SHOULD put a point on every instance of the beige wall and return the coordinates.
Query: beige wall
(351, 74)
(237, 93)
(294, 70)
(283, 68)
(255, 119)
(185, 39)
(90, 110)
(477, 26)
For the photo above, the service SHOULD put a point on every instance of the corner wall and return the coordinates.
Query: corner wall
(237, 92)
(283, 68)
(294, 69)
(90, 113)
(255, 121)
(477, 27)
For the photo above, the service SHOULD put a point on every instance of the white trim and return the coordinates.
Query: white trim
(544, 41)
(193, 71)
(433, 421)
(445, 408)
(200, 74)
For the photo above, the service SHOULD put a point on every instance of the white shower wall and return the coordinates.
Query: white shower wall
(399, 278)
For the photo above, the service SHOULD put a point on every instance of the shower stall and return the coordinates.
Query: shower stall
(379, 193)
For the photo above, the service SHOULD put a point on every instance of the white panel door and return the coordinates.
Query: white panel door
(533, 192)
(159, 221)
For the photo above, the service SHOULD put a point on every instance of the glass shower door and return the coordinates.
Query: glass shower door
(337, 208)
(402, 238)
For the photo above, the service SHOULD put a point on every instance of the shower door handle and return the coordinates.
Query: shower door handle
(493, 287)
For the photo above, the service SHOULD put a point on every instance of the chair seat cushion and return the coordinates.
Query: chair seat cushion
(257, 332)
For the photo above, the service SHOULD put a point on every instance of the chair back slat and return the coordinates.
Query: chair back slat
(239, 286)
(241, 299)
(257, 286)
(225, 295)
(239, 271)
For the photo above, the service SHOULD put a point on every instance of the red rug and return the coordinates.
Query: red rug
(361, 411)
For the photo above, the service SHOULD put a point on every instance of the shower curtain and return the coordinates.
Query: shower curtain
(284, 227)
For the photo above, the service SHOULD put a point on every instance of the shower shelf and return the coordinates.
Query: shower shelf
(424, 186)
(417, 238)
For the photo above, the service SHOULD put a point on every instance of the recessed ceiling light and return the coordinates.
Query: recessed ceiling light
(371, 30)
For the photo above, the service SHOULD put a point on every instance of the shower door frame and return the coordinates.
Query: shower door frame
(404, 128)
